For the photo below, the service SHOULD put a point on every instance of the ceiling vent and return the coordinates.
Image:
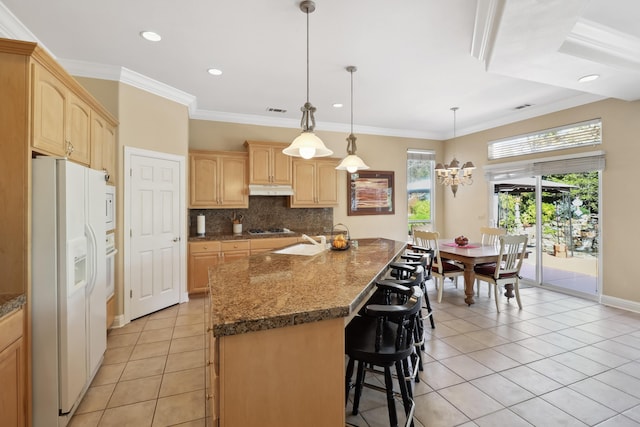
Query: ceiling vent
(276, 110)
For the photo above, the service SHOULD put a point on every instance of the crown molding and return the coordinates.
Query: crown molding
(485, 28)
(249, 119)
(602, 44)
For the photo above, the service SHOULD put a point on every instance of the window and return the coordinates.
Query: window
(420, 166)
(569, 136)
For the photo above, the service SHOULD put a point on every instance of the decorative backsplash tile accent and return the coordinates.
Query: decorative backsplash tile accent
(264, 212)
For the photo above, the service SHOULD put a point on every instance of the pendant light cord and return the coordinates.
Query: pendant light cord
(307, 55)
(351, 71)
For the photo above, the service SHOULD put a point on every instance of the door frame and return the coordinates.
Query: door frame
(129, 152)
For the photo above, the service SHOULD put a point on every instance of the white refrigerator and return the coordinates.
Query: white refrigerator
(68, 286)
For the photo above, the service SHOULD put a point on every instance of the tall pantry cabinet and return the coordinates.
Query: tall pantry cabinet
(44, 111)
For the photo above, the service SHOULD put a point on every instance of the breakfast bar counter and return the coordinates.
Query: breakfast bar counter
(277, 332)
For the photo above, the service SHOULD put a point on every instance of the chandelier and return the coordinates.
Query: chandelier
(352, 162)
(452, 174)
(307, 144)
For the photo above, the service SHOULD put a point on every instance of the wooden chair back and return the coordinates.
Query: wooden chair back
(490, 235)
(429, 240)
(512, 252)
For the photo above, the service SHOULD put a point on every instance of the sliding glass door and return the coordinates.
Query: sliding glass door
(560, 215)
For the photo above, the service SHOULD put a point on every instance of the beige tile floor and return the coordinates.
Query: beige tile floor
(153, 373)
(561, 360)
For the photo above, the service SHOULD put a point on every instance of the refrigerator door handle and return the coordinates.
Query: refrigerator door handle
(93, 255)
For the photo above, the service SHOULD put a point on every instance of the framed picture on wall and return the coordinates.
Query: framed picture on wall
(370, 193)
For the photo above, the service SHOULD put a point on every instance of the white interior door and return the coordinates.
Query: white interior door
(155, 201)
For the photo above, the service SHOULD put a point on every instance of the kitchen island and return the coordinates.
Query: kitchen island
(277, 333)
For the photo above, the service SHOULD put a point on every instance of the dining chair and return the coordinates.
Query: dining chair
(506, 269)
(490, 236)
(439, 270)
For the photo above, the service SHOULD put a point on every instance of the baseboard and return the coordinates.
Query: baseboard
(620, 303)
(118, 321)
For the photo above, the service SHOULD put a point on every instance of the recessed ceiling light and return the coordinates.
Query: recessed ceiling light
(588, 78)
(151, 36)
(338, 105)
(214, 72)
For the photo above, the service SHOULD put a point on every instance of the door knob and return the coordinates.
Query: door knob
(177, 239)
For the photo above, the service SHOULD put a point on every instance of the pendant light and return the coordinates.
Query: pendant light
(307, 144)
(352, 162)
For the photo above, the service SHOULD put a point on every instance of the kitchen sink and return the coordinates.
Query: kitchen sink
(302, 249)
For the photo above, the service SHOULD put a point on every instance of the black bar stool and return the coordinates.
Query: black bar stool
(384, 338)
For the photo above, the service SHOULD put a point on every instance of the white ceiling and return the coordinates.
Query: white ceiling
(416, 58)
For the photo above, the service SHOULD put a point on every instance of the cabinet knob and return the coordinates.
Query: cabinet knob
(69, 148)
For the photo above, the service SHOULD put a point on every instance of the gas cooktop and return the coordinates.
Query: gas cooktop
(270, 231)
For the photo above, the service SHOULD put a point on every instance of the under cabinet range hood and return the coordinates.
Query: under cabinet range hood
(270, 190)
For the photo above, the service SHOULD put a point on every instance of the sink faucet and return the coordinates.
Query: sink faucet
(323, 240)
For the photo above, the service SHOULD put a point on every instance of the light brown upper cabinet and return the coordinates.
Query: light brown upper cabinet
(61, 119)
(103, 146)
(315, 183)
(267, 163)
(218, 179)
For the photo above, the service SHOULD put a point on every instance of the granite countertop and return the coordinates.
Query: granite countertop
(10, 302)
(272, 290)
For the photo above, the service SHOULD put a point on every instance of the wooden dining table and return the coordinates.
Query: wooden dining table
(470, 255)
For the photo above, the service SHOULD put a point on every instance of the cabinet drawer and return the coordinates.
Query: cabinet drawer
(209, 246)
(234, 245)
(11, 327)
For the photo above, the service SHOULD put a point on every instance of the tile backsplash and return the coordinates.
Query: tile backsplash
(264, 212)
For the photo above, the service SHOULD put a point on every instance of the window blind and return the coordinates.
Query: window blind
(423, 155)
(569, 136)
(584, 162)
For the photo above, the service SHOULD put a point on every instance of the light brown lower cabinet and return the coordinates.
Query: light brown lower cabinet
(12, 370)
(281, 377)
(202, 255)
(234, 249)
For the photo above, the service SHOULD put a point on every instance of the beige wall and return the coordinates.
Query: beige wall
(620, 206)
(153, 123)
(148, 122)
(379, 152)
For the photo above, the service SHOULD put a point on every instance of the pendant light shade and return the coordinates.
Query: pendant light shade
(307, 144)
(352, 162)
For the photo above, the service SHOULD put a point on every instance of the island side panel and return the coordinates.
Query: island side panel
(283, 377)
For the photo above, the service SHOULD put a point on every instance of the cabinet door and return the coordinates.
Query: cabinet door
(327, 184)
(260, 161)
(78, 133)
(12, 380)
(97, 141)
(103, 146)
(109, 151)
(49, 113)
(12, 370)
(199, 264)
(233, 182)
(281, 167)
(304, 172)
(203, 172)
